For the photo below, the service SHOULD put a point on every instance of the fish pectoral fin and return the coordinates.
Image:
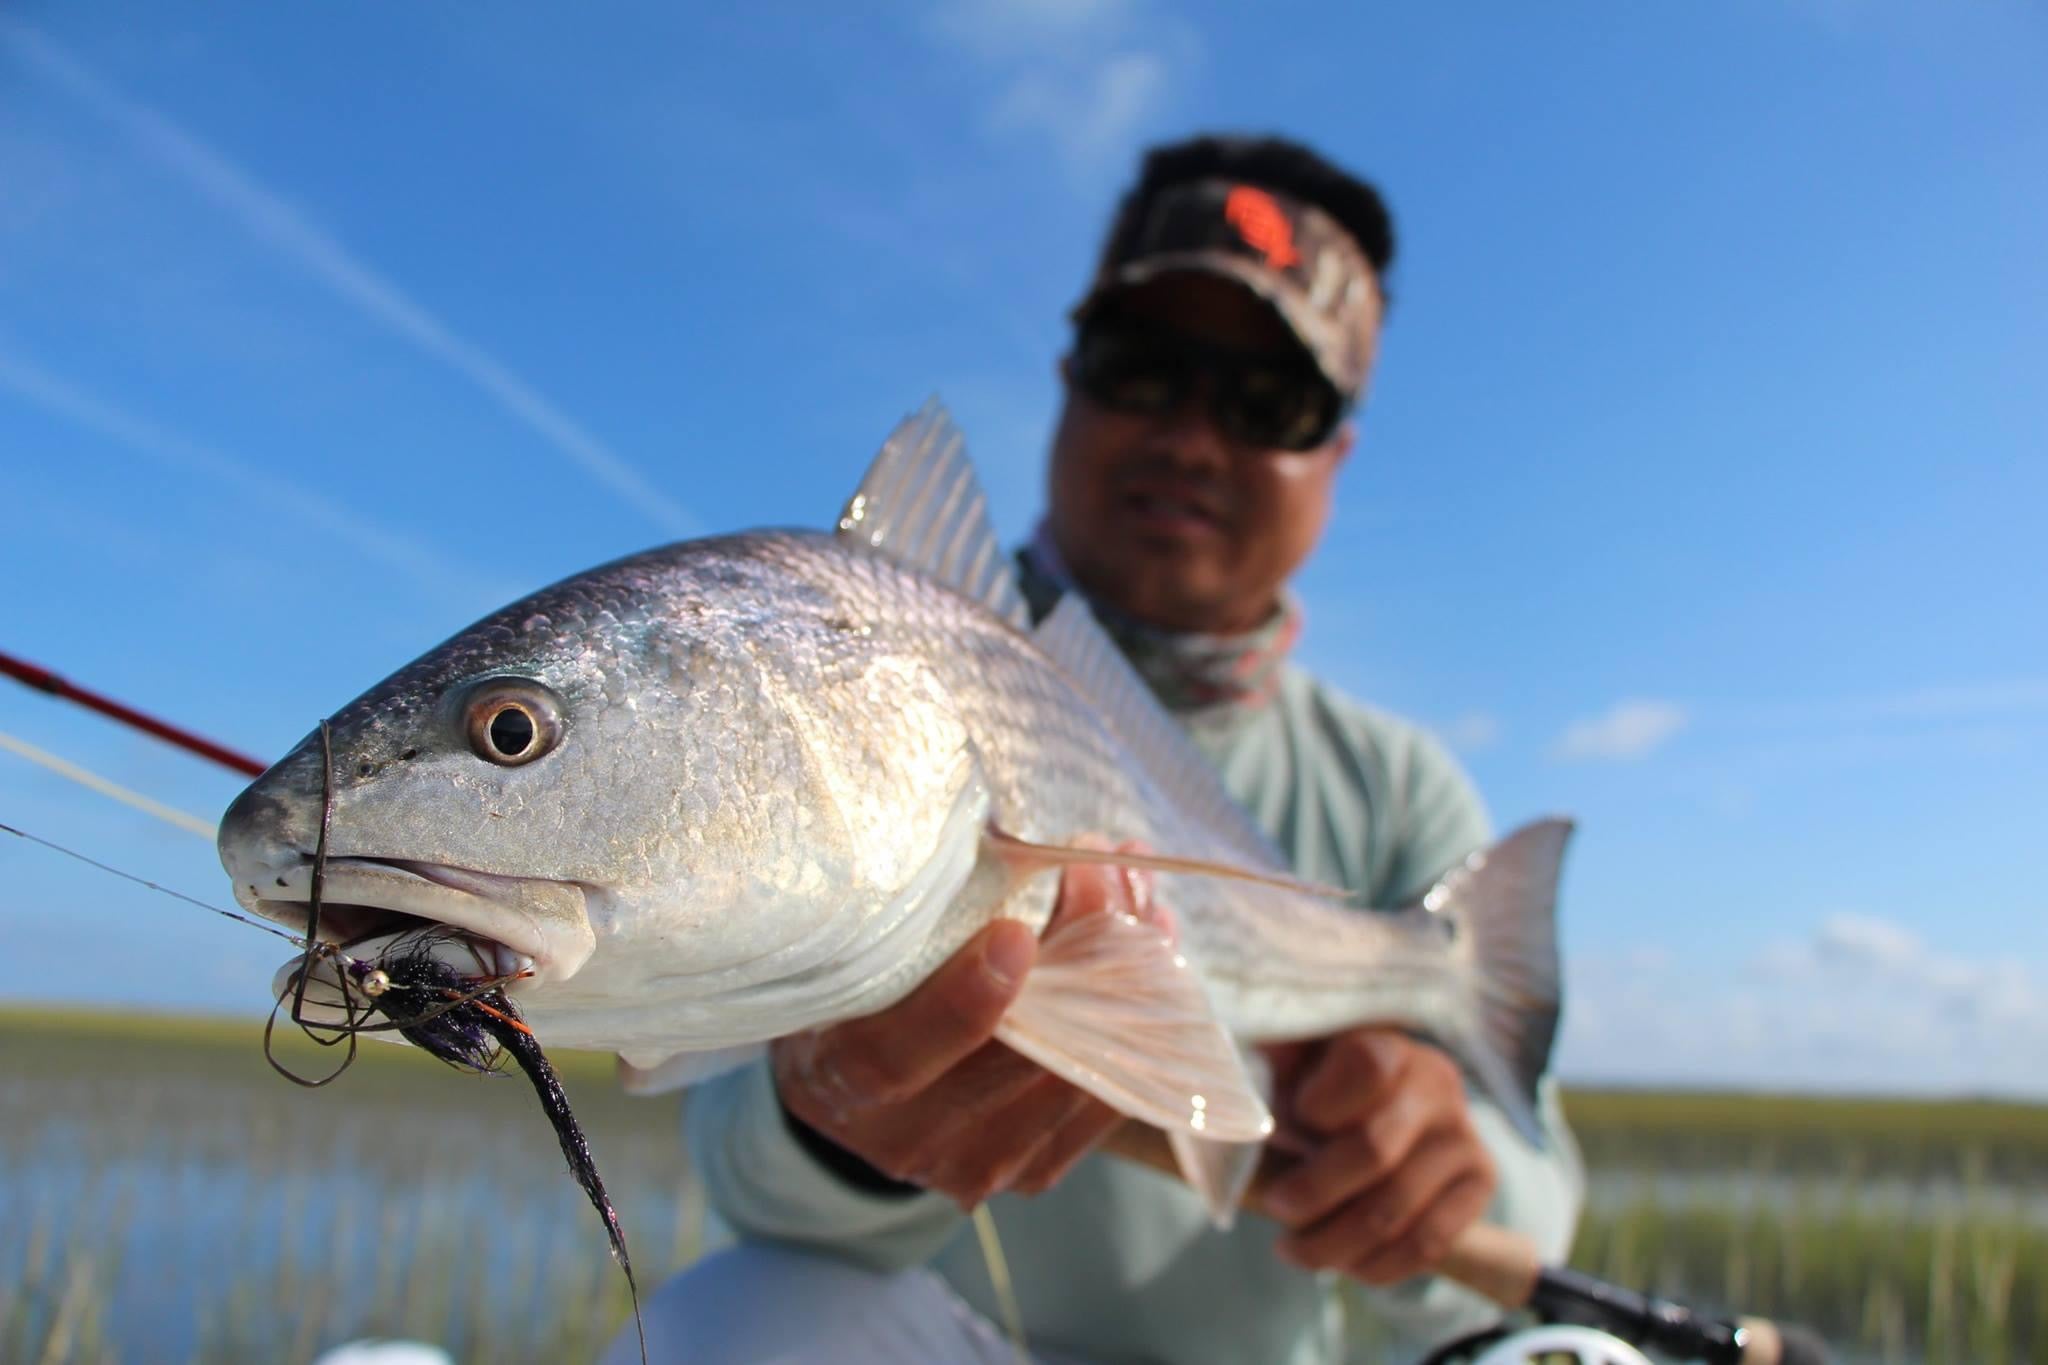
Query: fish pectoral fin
(1114, 1008)
(684, 1068)
(1024, 857)
(1219, 1171)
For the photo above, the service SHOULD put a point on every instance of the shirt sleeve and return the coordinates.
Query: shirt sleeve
(764, 1184)
(1440, 818)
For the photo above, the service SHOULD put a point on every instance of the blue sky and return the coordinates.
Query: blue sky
(1699, 494)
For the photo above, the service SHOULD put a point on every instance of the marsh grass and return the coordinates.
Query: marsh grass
(1902, 1231)
(165, 1197)
(1989, 1141)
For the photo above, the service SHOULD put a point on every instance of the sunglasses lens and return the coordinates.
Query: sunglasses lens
(1129, 371)
(1266, 399)
(1282, 407)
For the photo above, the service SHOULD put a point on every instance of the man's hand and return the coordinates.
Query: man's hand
(1397, 1171)
(922, 1093)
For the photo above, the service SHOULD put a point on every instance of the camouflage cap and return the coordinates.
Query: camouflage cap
(1289, 252)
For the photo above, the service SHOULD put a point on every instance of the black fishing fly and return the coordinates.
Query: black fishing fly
(477, 1030)
(466, 1021)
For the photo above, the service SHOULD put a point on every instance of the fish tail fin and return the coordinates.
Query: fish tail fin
(1503, 902)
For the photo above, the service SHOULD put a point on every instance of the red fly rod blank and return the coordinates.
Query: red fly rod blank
(43, 680)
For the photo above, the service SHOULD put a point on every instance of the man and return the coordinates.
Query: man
(1228, 335)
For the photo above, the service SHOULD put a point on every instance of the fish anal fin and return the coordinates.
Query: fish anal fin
(1024, 857)
(1112, 1007)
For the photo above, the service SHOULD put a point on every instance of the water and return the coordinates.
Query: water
(211, 1210)
(164, 1196)
(1899, 1199)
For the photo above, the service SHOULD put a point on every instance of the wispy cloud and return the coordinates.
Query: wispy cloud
(274, 222)
(1948, 703)
(1090, 113)
(281, 499)
(1087, 75)
(1856, 1002)
(1472, 732)
(1624, 733)
(1868, 953)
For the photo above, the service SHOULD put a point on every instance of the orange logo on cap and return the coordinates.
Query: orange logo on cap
(1262, 225)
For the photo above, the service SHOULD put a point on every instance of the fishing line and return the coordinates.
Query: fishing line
(336, 953)
(234, 915)
(408, 965)
(359, 984)
(998, 1266)
(352, 972)
(303, 977)
(170, 815)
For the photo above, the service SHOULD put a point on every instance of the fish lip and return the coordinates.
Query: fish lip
(458, 897)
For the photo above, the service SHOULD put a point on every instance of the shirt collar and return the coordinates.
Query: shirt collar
(1188, 672)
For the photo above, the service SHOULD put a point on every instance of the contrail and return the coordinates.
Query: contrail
(273, 221)
(288, 502)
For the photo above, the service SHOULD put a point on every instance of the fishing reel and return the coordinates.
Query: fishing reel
(1572, 1303)
(1549, 1344)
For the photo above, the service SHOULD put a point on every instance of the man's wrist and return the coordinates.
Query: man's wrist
(849, 1168)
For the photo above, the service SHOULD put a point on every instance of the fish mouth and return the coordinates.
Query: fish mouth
(513, 925)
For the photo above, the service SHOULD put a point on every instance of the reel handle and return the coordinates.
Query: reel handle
(1506, 1268)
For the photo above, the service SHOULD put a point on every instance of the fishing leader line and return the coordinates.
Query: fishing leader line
(234, 915)
(92, 781)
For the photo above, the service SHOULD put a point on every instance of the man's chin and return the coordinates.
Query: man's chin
(1177, 603)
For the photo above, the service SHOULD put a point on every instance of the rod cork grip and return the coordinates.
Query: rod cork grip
(1761, 1344)
(1770, 1343)
(1496, 1262)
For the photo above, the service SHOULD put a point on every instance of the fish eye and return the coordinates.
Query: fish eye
(511, 723)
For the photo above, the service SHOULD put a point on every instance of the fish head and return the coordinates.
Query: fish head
(442, 802)
(654, 798)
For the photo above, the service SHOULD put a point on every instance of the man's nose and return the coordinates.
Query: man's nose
(1189, 431)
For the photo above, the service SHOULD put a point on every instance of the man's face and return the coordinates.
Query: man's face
(1165, 518)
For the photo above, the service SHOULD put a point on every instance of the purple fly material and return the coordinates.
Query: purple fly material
(472, 1035)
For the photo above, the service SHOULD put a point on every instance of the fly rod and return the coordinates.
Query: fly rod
(1506, 1268)
(43, 680)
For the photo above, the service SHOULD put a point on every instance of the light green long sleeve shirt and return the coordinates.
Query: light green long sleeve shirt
(1118, 1263)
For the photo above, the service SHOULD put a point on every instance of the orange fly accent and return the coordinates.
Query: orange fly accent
(1262, 225)
(498, 1015)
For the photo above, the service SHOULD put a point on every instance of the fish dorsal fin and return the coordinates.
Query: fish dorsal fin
(1168, 758)
(922, 506)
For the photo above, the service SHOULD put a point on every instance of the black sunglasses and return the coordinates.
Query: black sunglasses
(1271, 399)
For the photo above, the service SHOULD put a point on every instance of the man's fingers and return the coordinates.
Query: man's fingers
(1339, 1170)
(947, 1128)
(902, 1050)
(1349, 1078)
(982, 1158)
(1097, 888)
(1371, 1225)
(1081, 1130)
(1421, 1245)
(1353, 1161)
